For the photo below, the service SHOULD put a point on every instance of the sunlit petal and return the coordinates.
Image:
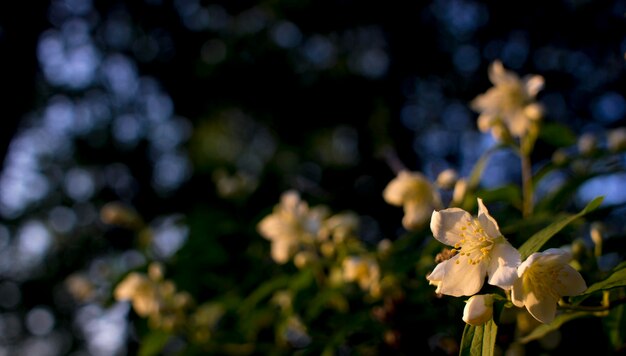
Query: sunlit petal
(498, 75)
(438, 273)
(462, 278)
(486, 122)
(518, 293)
(502, 268)
(402, 187)
(533, 85)
(544, 278)
(415, 215)
(541, 306)
(572, 283)
(488, 223)
(554, 256)
(446, 224)
(282, 250)
(518, 123)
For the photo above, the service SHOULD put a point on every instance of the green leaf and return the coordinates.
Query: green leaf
(302, 280)
(619, 266)
(616, 279)
(534, 243)
(563, 195)
(325, 300)
(560, 319)
(479, 340)
(615, 326)
(262, 292)
(557, 135)
(153, 343)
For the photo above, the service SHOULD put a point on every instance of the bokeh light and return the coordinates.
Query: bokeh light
(196, 115)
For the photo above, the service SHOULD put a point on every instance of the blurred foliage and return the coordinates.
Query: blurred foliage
(156, 138)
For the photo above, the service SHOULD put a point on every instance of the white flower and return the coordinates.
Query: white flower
(291, 224)
(364, 271)
(510, 101)
(544, 278)
(478, 310)
(415, 193)
(340, 227)
(139, 289)
(482, 251)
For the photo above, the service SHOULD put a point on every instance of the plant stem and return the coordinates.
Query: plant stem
(527, 185)
(593, 308)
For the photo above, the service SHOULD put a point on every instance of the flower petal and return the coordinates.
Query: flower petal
(415, 215)
(498, 75)
(518, 293)
(130, 286)
(572, 283)
(270, 227)
(281, 250)
(461, 278)
(556, 255)
(406, 186)
(533, 84)
(438, 273)
(502, 268)
(446, 224)
(541, 306)
(488, 223)
(394, 191)
(518, 123)
(486, 121)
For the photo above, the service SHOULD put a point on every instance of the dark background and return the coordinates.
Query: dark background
(358, 82)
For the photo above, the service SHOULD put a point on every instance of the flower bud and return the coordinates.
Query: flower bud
(447, 178)
(597, 230)
(116, 213)
(303, 259)
(616, 139)
(460, 189)
(155, 271)
(478, 310)
(587, 144)
(384, 247)
(560, 157)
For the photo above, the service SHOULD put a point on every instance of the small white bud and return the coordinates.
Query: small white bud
(460, 189)
(478, 310)
(447, 178)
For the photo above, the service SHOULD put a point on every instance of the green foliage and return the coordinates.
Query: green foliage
(616, 279)
(249, 212)
(313, 286)
(153, 343)
(535, 242)
(557, 135)
(479, 340)
(544, 329)
(287, 277)
(615, 326)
